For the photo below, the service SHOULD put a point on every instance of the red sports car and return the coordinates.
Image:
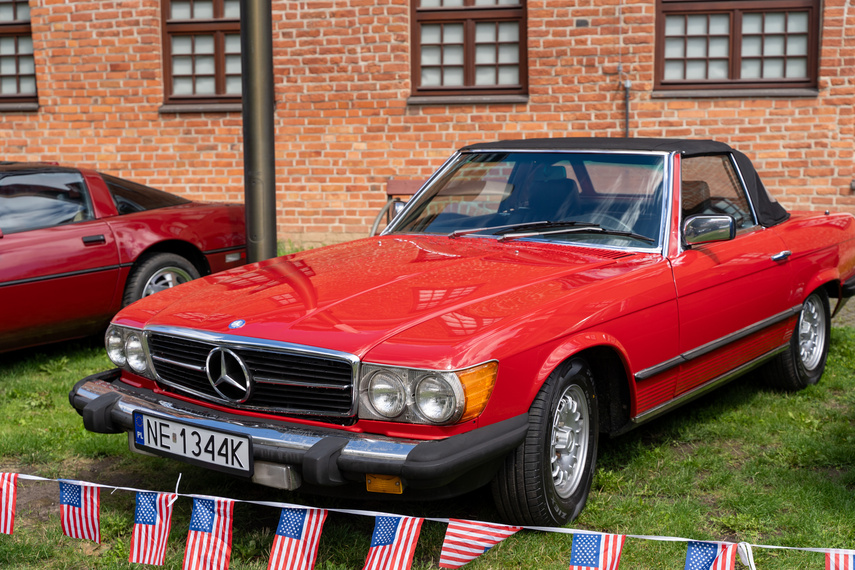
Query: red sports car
(77, 245)
(532, 296)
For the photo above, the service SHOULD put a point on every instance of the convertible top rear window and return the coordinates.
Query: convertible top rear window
(611, 199)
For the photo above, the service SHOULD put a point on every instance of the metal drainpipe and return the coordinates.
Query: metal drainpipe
(256, 45)
(626, 85)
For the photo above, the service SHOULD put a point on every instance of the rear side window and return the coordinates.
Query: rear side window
(132, 197)
(36, 200)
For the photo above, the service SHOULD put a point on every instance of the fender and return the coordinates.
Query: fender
(575, 345)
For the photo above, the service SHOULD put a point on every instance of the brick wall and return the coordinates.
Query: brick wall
(343, 125)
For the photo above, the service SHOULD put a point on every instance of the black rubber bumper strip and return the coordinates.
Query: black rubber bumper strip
(324, 462)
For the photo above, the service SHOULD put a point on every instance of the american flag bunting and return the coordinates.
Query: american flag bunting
(8, 497)
(393, 543)
(840, 560)
(467, 540)
(152, 521)
(710, 556)
(295, 545)
(596, 551)
(80, 507)
(209, 542)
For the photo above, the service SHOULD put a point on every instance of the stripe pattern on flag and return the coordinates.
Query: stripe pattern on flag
(80, 511)
(467, 540)
(393, 543)
(152, 521)
(596, 551)
(8, 498)
(839, 560)
(209, 542)
(298, 534)
(710, 556)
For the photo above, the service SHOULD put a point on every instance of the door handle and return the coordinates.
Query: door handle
(92, 240)
(782, 256)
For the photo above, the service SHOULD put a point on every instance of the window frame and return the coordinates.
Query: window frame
(17, 29)
(218, 27)
(468, 15)
(735, 9)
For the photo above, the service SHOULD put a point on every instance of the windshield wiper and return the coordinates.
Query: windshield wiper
(577, 228)
(509, 227)
(541, 224)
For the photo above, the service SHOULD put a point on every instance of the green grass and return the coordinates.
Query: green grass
(741, 464)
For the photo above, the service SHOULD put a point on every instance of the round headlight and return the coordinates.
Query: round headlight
(116, 347)
(135, 353)
(386, 394)
(435, 399)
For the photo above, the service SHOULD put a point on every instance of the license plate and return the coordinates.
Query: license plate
(220, 450)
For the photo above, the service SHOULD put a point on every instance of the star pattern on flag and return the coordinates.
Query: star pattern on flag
(701, 555)
(146, 512)
(291, 523)
(384, 531)
(585, 550)
(70, 494)
(202, 518)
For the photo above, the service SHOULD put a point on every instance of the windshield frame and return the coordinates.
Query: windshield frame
(661, 246)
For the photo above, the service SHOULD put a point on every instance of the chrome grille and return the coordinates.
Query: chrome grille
(285, 382)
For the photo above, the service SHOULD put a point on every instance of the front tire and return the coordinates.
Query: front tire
(546, 480)
(156, 273)
(804, 361)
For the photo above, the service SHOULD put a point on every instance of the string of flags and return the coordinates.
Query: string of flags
(393, 542)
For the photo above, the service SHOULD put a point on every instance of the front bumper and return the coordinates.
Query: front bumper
(322, 458)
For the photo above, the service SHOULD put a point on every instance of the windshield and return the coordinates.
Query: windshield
(612, 199)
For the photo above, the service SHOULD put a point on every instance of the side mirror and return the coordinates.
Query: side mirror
(706, 229)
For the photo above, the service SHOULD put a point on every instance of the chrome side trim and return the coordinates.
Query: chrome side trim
(704, 388)
(716, 344)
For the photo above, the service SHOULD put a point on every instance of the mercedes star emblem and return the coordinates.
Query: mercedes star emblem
(228, 375)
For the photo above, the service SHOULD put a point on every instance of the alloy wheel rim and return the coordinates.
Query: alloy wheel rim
(165, 278)
(569, 441)
(812, 332)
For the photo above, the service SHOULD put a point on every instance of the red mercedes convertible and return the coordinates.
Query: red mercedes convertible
(77, 245)
(532, 296)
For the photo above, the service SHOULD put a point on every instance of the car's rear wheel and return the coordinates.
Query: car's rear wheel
(803, 363)
(546, 480)
(156, 273)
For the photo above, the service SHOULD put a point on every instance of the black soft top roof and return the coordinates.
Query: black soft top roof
(769, 212)
(684, 146)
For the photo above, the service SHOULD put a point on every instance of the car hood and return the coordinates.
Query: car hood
(353, 296)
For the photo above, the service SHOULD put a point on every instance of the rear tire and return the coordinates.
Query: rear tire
(804, 361)
(546, 480)
(156, 273)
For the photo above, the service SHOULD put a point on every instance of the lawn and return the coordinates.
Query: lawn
(741, 464)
